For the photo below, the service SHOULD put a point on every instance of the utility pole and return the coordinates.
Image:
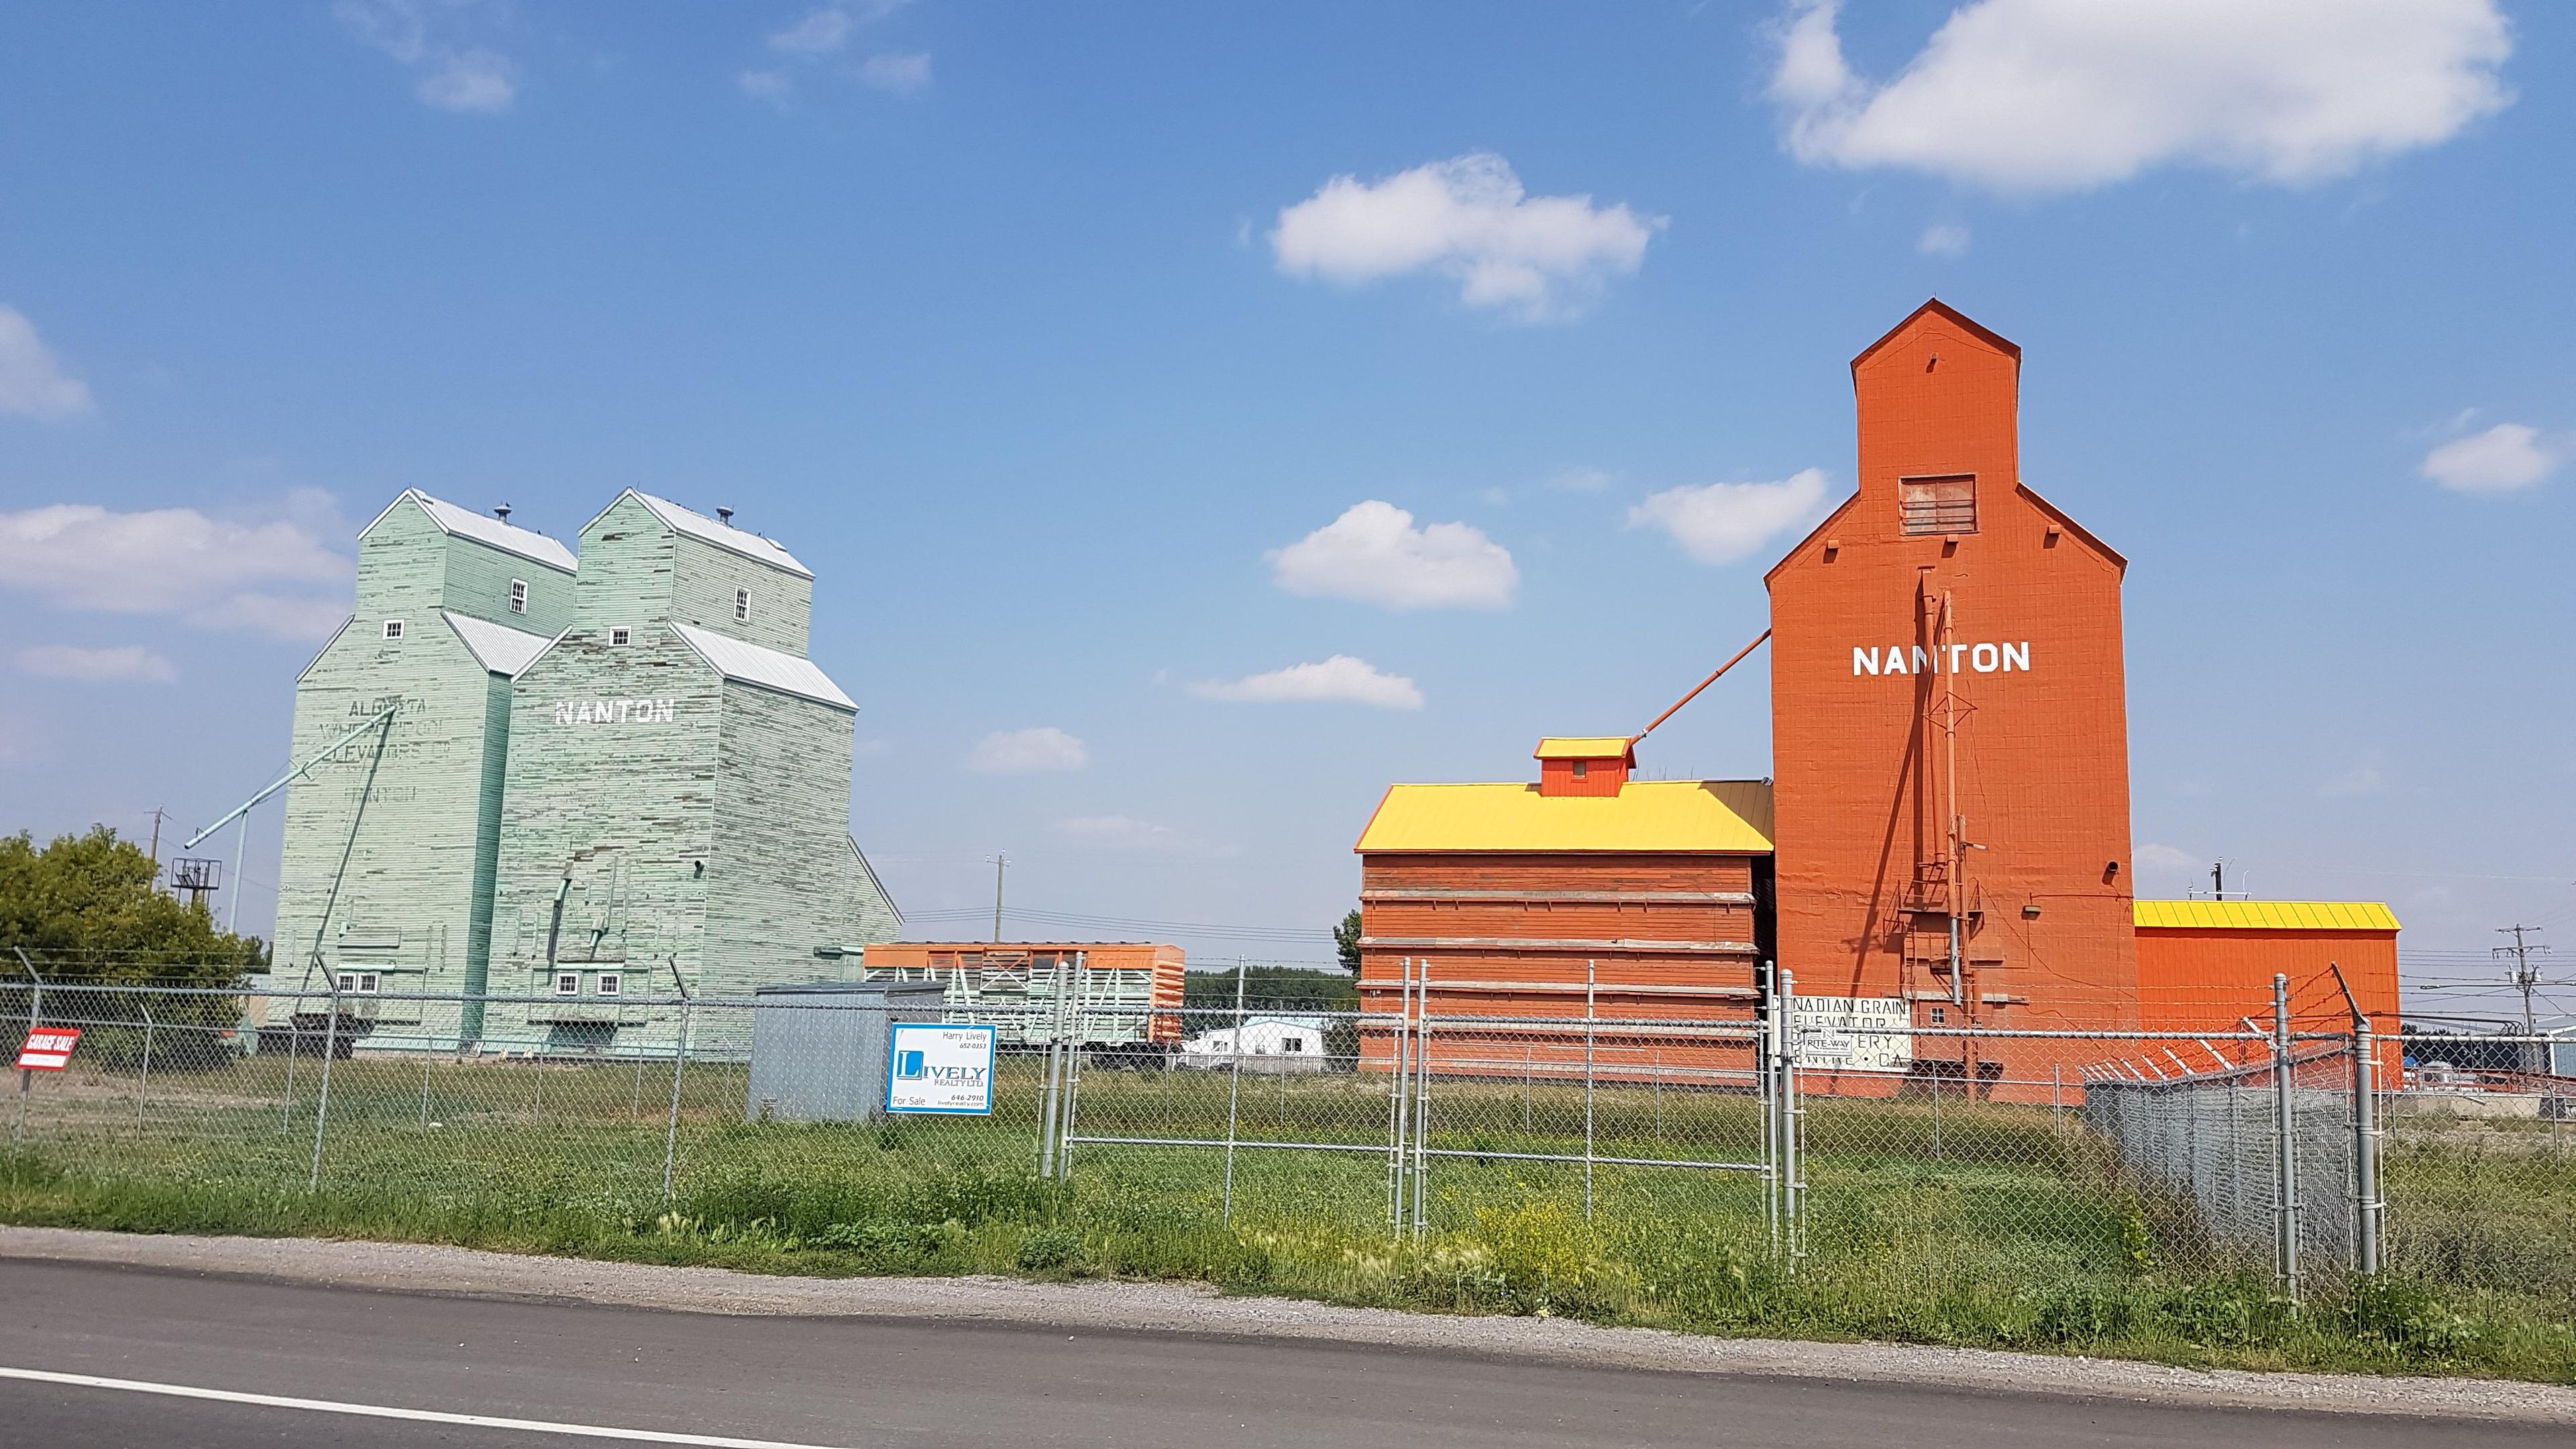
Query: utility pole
(2218, 880)
(157, 813)
(1000, 862)
(2524, 979)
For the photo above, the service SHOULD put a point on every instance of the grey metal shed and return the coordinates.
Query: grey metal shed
(818, 1051)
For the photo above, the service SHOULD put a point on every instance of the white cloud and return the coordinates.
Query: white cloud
(2504, 458)
(32, 383)
(1582, 480)
(1123, 832)
(901, 74)
(1468, 218)
(1721, 522)
(828, 28)
(2042, 95)
(177, 561)
(1374, 554)
(769, 85)
(469, 80)
(2166, 861)
(819, 31)
(130, 663)
(1020, 752)
(1338, 679)
(450, 77)
(1943, 241)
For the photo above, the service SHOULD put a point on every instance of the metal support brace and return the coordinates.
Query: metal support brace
(2285, 1166)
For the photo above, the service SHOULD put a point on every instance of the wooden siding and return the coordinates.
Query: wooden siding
(635, 571)
(1599, 776)
(412, 851)
(704, 578)
(785, 882)
(1667, 937)
(624, 812)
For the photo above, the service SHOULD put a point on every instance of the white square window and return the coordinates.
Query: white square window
(360, 983)
(620, 636)
(610, 983)
(518, 596)
(567, 983)
(742, 606)
(393, 628)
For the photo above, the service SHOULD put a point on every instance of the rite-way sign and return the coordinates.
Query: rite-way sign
(48, 1048)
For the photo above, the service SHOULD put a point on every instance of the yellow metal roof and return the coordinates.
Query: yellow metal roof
(1583, 747)
(1646, 815)
(2265, 916)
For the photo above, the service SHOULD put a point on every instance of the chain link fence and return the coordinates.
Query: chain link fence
(1667, 1153)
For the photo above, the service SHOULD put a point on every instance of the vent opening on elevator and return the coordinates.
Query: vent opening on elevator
(1944, 503)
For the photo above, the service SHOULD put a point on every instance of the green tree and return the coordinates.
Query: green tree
(85, 908)
(1346, 942)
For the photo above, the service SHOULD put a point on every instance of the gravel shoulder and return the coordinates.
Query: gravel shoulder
(1171, 1308)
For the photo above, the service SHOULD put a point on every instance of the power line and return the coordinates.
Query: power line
(2523, 976)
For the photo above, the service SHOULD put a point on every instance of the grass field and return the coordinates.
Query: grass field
(1977, 1224)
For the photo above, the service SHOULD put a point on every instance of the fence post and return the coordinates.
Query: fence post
(1588, 1029)
(1233, 1098)
(1792, 1119)
(143, 1086)
(322, 1106)
(1398, 1081)
(1048, 1101)
(428, 1051)
(2365, 1146)
(2285, 1183)
(1421, 1089)
(35, 1016)
(1766, 1092)
(679, 1059)
(1066, 1129)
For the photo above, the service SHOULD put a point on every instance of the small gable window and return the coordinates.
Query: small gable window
(1946, 503)
(742, 606)
(621, 636)
(518, 596)
(393, 628)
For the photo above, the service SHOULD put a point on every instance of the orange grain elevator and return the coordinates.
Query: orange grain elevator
(1950, 733)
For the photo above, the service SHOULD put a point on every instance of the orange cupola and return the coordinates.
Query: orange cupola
(1585, 765)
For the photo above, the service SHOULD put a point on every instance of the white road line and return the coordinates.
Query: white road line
(382, 1411)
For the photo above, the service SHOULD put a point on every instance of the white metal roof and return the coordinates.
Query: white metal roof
(483, 528)
(500, 648)
(768, 668)
(722, 535)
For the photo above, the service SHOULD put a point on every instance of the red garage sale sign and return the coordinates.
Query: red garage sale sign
(48, 1048)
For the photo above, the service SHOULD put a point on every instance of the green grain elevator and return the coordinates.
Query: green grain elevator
(592, 780)
(678, 794)
(392, 842)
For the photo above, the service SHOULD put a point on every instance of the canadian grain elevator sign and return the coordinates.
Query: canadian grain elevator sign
(939, 1068)
(1852, 1033)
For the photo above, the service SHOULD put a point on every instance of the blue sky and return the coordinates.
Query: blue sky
(1063, 344)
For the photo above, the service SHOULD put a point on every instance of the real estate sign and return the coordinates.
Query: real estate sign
(933, 1067)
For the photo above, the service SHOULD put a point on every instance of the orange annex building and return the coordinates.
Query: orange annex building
(1945, 837)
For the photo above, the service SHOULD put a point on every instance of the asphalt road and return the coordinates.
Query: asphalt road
(868, 1382)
